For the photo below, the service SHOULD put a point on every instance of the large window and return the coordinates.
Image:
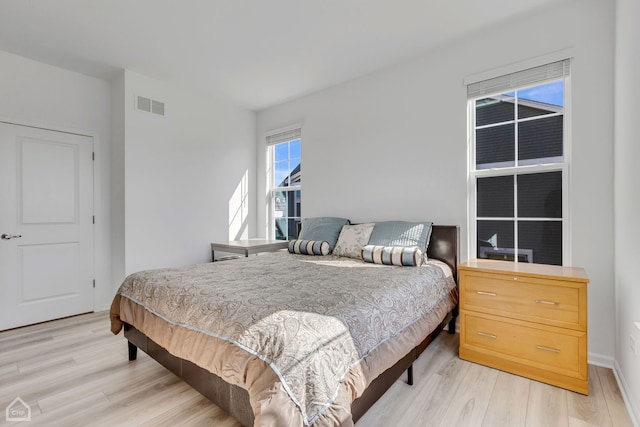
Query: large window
(285, 183)
(518, 166)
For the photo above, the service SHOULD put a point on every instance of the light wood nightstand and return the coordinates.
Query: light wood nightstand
(249, 246)
(527, 319)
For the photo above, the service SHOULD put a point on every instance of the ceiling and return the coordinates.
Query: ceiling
(254, 53)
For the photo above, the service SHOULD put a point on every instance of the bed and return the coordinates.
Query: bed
(275, 367)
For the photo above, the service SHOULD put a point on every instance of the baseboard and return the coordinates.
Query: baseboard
(601, 360)
(629, 401)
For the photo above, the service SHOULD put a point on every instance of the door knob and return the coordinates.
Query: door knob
(10, 236)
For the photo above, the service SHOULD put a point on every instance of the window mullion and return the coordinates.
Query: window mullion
(515, 215)
(515, 128)
(515, 177)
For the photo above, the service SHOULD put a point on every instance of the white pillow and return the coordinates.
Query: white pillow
(352, 239)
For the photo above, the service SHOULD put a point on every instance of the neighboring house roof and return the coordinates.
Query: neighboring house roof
(550, 108)
(295, 177)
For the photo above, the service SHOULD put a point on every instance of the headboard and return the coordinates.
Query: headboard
(444, 246)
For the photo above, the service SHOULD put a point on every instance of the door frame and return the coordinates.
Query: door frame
(98, 261)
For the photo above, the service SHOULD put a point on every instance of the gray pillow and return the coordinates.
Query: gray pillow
(323, 228)
(401, 233)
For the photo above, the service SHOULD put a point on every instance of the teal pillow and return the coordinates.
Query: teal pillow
(322, 229)
(402, 233)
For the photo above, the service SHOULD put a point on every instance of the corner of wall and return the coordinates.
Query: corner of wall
(117, 179)
(627, 396)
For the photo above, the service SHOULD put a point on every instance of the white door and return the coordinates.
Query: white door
(46, 225)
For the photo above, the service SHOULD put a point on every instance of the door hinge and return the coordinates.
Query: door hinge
(94, 219)
(93, 156)
(94, 283)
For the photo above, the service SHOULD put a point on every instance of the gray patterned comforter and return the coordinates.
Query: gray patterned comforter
(310, 318)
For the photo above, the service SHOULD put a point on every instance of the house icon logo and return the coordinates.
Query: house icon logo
(18, 410)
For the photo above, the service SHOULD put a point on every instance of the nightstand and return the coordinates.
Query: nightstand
(527, 319)
(249, 246)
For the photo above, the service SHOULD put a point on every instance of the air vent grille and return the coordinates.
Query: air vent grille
(150, 105)
(144, 104)
(157, 107)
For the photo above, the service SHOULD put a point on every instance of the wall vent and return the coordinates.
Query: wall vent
(150, 105)
(144, 104)
(157, 107)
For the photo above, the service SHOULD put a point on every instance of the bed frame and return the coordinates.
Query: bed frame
(235, 400)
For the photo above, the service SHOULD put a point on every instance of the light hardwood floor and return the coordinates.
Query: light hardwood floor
(74, 372)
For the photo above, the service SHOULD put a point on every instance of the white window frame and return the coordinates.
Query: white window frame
(274, 138)
(536, 166)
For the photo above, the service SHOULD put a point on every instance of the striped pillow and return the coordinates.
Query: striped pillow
(309, 247)
(393, 255)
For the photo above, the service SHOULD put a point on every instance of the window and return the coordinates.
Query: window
(284, 183)
(518, 166)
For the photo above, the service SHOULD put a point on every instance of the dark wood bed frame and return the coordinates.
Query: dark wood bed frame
(235, 400)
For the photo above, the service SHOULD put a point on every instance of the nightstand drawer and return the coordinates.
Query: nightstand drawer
(551, 349)
(525, 298)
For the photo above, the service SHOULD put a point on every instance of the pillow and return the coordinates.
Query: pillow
(324, 229)
(393, 255)
(402, 233)
(351, 240)
(309, 247)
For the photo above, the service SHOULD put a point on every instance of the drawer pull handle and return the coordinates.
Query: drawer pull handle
(491, 294)
(484, 334)
(541, 301)
(553, 350)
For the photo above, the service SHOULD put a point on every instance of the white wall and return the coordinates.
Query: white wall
(185, 175)
(627, 197)
(37, 94)
(393, 144)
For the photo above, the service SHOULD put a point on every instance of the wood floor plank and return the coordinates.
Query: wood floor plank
(591, 409)
(20, 378)
(16, 343)
(547, 406)
(381, 415)
(129, 389)
(53, 381)
(76, 411)
(608, 383)
(148, 403)
(471, 398)
(54, 326)
(618, 413)
(74, 372)
(8, 369)
(438, 392)
(102, 352)
(613, 397)
(193, 412)
(407, 398)
(49, 349)
(507, 406)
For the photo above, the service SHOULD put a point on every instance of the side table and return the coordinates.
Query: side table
(249, 246)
